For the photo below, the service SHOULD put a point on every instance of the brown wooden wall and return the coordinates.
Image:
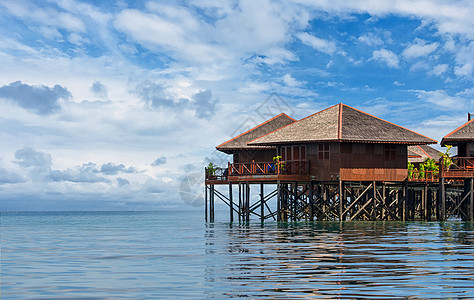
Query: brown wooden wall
(465, 149)
(358, 161)
(244, 156)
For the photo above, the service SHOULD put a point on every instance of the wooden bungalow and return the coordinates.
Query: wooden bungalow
(462, 138)
(419, 153)
(343, 143)
(342, 164)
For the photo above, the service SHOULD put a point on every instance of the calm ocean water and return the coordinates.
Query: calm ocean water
(163, 255)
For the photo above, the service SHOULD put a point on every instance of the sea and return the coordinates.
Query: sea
(177, 255)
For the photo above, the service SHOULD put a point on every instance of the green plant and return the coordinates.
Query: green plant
(421, 173)
(211, 169)
(411, 168)
(431, 166)
(280, 163)
(447, 161)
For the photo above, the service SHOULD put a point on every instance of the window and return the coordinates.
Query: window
(323, 151)
(390, 152)
(293, 153)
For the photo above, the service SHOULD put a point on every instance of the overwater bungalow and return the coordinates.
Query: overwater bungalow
(343, 143)
(338, 164)
(420, 153)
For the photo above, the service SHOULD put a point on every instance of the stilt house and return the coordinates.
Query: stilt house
(419, 153)
(343, 143)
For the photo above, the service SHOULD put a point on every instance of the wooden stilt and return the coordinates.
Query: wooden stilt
(231, 203)
(471, 200)
(404, 200)
(384, 202)
(429, 204)
(247, 201)
(295, 202)
(311, 201)
(211, 204)
(205, 202)
(325, 199)
(262, 204)
(240, 203)
(278, 201)
(374, 201)
(442, 195)
(341, 200)
(424, 205)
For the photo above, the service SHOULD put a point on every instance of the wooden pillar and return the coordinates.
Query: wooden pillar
(310, 199)
(341, 200)
(285, 204)
(205, 202)
(295, 202)
(278, 201)
(429, 204)
(374, 201)
(231, 203)
(240, 202)
(442, 198)
(247, 208)
(324, 197)
(471, 200)
(404, 200)
(211, 204)
(424, 202)
(262, 204)
(384, 201)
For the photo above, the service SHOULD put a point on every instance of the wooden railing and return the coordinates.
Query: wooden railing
(460, 168)
(423, 176)
(269, 168)
(216, 174)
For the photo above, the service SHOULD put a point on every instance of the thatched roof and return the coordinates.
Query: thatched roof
(240, 142)
(342, 123)
(464, 133)
(419, 153)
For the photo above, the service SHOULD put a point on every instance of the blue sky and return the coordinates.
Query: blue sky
(107, 106)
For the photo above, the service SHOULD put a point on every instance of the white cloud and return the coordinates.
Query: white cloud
(318, 44)
(439, 69)
(370, 39)
(49, 17)
(465, 70)
(387, 57)
(419, 48)
(449, 17)
(290, 81)
(441, 99)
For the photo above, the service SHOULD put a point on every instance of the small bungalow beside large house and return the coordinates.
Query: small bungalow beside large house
(242, 152)
(338, 143)
(419, 153)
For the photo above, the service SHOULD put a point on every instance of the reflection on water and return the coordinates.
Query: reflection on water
(347, 260)
(162, 255)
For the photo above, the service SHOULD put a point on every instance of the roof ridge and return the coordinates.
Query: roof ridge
(460, 127)
(435, 142)
(339, 122)
(253, 128)
(292, 123)
(424, 151)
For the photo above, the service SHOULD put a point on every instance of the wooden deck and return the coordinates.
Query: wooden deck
(462, 167)
(272, 172)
